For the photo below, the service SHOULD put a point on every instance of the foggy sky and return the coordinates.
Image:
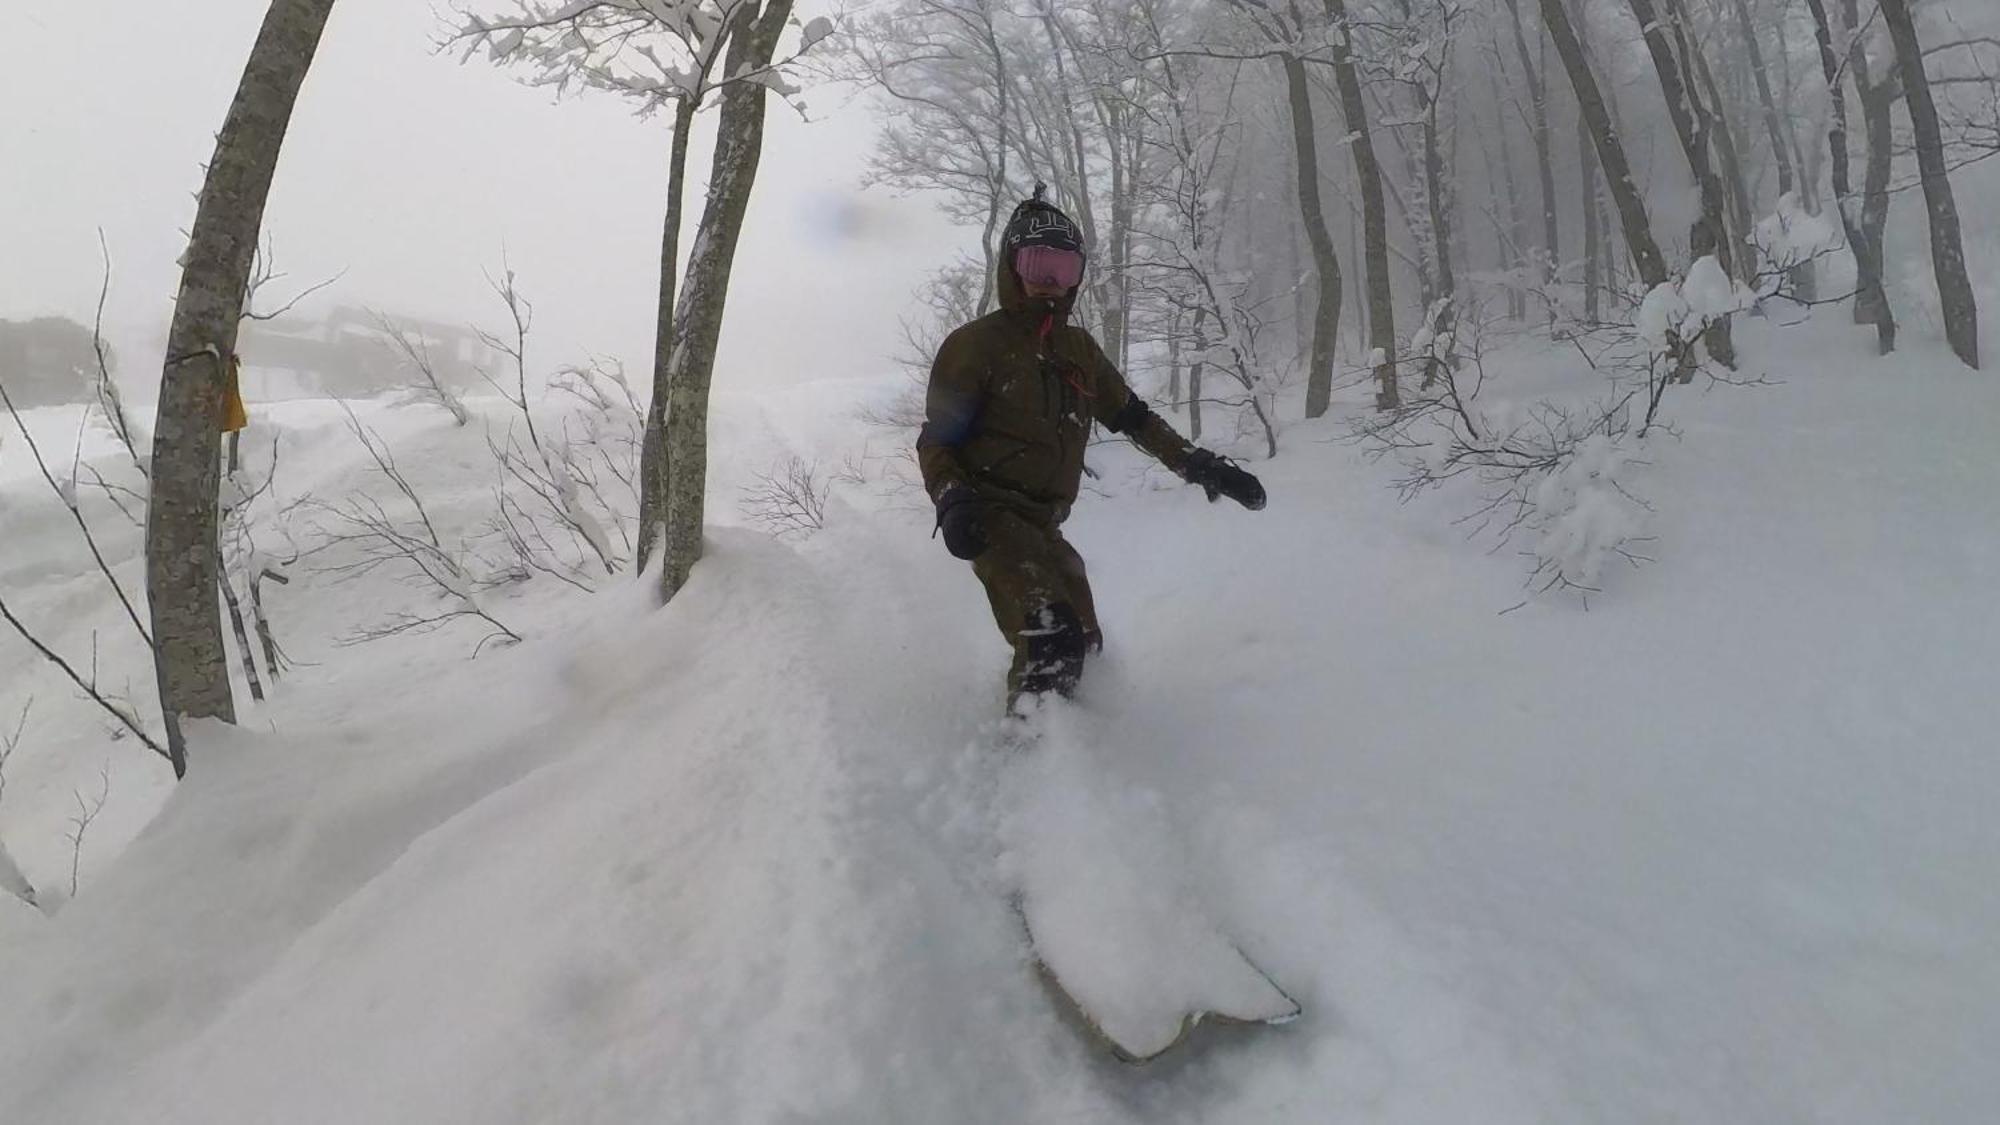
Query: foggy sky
(414, 173)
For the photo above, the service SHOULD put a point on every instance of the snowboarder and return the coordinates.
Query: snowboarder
(1009, 409)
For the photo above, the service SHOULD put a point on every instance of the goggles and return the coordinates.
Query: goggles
(1047, 265)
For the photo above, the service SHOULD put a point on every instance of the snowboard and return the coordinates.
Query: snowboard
(1138, 1025)
(1119, 940)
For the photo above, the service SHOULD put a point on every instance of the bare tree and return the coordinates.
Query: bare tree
(1537, 79)
(1652, 265)
(656, 53)
(949, 110)
(788, 500)
(118, 710)
(545, 468)
(1961, 311)
(181, 526)
(1867, 257)
(1286, 31)
(11, 879)
(413, 349)
(1694, 125)
(1375, 223)
(87, 811)
(698, 316)
(362, 536)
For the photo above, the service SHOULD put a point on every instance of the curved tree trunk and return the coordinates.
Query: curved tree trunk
(1878, 108)
(1326, 265)
(181, 575)
(1961, 311)
(698, 317)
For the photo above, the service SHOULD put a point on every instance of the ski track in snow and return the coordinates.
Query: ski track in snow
(1710, 852)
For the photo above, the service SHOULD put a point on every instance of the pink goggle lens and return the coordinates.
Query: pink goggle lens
(1046, 265)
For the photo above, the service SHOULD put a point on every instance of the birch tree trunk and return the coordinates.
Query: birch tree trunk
(653, 447)
(739, 146)
(1961, 311)
(181, 573)
(1326, 265)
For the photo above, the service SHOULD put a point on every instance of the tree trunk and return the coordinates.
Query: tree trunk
(1871, 306)
(1774, 127)
(1867, 262)
(1961, 311)
(1502, 191)
(1610, 152)
(274, 661)
(236, 626)
(1722, 136)
(1791, 179)
(1077, 155)
(1112, 267)
(1538, 85)
(1326, 265)
(988, 244)
(190, 656)
(653, 447)
(1443, 315)
(1593, 236)
(698, 316)
(1693, 126)
(1195, 372)
(1374, 214)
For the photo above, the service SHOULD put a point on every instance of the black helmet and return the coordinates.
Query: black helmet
(1037, 222)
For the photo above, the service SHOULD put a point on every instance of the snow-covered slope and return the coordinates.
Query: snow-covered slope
(1718, 849)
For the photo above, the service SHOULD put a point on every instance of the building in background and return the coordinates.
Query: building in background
(349, 354)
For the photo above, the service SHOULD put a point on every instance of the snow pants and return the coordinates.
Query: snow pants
(1041, 601)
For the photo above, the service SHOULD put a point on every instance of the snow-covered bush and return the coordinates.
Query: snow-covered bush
(1556, 470)
(1584, 516)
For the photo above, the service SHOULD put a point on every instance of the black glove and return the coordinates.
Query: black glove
(1219, 476)
(962, 518)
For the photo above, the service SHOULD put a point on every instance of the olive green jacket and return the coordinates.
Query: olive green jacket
(1011, 402)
